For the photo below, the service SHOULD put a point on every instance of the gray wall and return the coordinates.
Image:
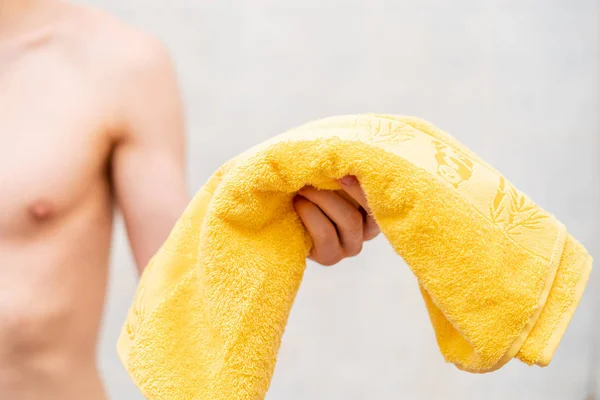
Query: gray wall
(515, 80)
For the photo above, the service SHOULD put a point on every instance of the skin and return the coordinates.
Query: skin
(338, 226)
(91, 121)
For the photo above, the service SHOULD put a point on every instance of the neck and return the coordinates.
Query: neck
(21, 16)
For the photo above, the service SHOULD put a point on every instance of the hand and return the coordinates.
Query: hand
(338, 227)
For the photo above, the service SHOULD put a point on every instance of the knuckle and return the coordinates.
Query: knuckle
(327, 262)
(356, 221)
(371, 230)
(330, 261)
(328, 257)
(352, 221)
(326, 235)
(354, 248)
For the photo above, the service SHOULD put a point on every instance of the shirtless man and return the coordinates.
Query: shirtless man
(91, 117)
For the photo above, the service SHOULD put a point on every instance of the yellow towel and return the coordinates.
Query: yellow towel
(501, 278)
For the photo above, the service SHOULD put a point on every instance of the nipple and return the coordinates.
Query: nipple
(40, 211)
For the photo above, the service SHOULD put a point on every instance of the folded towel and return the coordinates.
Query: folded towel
(500, 277)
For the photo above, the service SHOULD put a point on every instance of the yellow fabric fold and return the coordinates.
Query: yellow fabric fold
(501, 278)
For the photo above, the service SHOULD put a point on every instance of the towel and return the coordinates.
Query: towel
(500, 277)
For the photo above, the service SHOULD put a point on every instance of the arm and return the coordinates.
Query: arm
(149, 157)
(149, 174)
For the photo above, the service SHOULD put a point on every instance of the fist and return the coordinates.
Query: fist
(337, 224)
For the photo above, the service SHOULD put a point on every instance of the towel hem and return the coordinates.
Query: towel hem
(561, 327)
(559, 246)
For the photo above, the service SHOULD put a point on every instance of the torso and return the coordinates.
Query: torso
(55, 217)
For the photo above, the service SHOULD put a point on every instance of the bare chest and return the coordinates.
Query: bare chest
(53, 138)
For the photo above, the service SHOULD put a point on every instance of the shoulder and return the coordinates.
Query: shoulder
(108, 46)
(131, 69)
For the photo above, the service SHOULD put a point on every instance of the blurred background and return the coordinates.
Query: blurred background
(517, 81)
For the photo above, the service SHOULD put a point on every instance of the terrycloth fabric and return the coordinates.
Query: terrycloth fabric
(501, 278)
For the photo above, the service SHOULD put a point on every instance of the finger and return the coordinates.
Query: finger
(346, 217)
(326, 249)
(370, 228)
(351, 186)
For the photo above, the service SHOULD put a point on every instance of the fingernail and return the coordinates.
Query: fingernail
(349, 180)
